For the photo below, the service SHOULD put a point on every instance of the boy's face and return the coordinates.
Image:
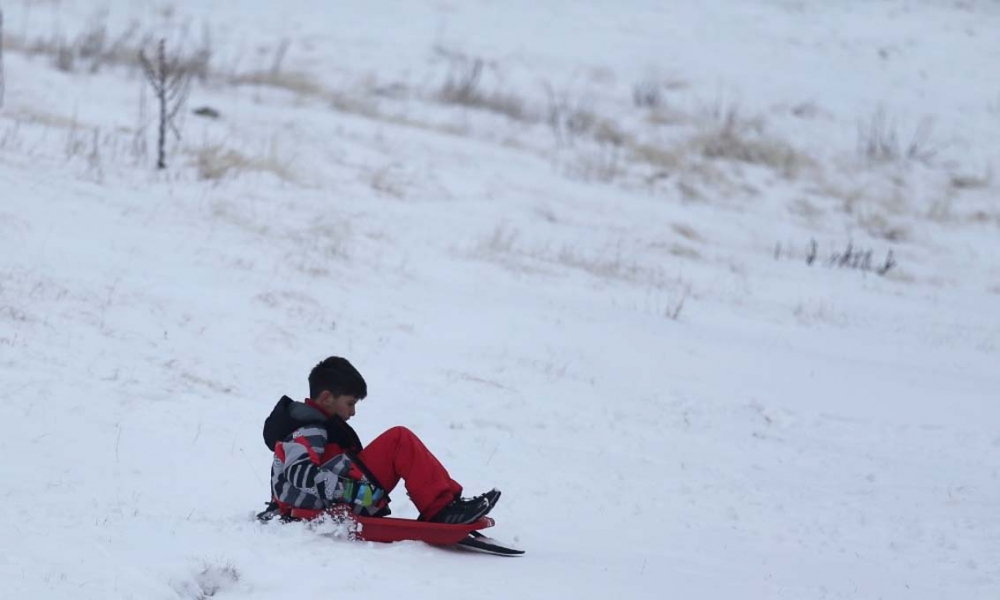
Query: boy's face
(342, 406)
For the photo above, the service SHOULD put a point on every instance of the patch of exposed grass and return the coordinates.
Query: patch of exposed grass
(216, 162)
(733, 138)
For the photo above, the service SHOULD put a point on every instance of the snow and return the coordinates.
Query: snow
(635, 351)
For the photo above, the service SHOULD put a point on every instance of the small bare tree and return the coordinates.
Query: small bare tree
(171, 83)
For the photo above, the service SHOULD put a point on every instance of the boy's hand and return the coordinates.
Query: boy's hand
(362, 493)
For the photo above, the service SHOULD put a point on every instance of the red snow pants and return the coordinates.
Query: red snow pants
(399, 454)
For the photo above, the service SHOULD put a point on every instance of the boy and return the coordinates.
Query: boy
(319, 460)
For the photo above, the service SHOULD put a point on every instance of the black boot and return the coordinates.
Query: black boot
(461, 511)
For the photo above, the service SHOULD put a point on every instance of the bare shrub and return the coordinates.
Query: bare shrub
(879, 140)
(464, 87)
(649, 93)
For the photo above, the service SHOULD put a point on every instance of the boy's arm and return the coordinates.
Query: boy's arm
(336, 480)
(302, 456)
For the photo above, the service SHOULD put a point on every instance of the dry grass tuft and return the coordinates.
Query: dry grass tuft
(682, 251)
(96, 48)
(733, 138)
(687, 232)
(655, 156)
(569, 118)
(879, 226)
(292, 81)
(216, 162)
(879, 140)
(666, 116)
(464, 87)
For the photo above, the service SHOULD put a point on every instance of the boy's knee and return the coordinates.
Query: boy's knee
(400, 432)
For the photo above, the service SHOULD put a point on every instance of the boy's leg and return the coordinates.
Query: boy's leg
(399, 453)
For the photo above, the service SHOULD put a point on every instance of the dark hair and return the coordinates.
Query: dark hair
(338, 377)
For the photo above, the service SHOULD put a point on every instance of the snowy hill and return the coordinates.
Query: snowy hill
(710, 290)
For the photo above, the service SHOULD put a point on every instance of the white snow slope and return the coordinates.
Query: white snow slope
(577, 270)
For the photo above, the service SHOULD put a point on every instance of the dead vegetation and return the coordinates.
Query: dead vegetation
(296, 82)
(851, 257)
(569, 117)
(879, 140)
(464, 86)
(95, 48)
(651, 93)
(503, 245)
(688, 154)
(730, 136)
(215, 162)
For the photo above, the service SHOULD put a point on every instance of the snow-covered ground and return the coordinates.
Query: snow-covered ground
(566, 243)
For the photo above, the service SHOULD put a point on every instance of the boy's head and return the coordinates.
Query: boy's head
(337, 376)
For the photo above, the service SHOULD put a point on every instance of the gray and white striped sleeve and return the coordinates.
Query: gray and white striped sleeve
(303, 455)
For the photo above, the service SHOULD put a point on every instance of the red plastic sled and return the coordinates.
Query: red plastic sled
(390, 529)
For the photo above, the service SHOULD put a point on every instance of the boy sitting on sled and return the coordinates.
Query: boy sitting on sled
(319, 460)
